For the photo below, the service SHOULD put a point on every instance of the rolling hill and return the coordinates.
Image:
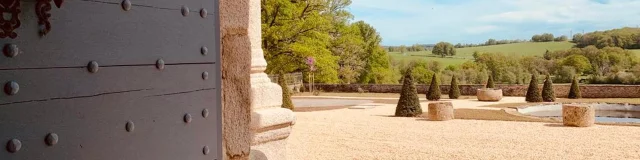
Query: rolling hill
(465, 54)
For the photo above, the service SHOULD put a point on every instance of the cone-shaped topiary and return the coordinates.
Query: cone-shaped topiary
(533, 93)
(574, 92)
(490, 83)
(286, 94)
(434, 89)
(454, 91)
(409, 104)
(548, 94)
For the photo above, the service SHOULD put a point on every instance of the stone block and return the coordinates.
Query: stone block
(578, 115)
(440, 111)
(490, 95)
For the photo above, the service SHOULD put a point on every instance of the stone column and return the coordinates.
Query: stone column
(235, 59)
(270, 123)
(255, 125)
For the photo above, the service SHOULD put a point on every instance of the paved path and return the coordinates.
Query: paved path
(373, 134)
(328, 102)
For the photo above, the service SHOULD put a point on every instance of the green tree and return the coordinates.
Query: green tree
(578, 62)
(490, 83)
(286, 93)
(348, 45)
(574, 91)
(444, 49)
(548, 94)
(454, 91)
(577, 38)
(627, 38)
(491, 42)
(377, 69)
(434, 89)
(533, 93)
(294, 30)
(409, 104)
(561, 38)
(547, 55)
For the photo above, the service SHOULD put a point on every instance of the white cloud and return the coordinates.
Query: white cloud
(567, 11)
(481, 29)
(472, 21)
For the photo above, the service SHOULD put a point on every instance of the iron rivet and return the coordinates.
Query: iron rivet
(203, 13)
(205, 113)
(205, 150)
(204, 50)
(130, 127)
(205, 75)
(51, 139)
(187, 118)
(93, 67)
(126, 5)
(185, 11)
(11, 88)
(160, 64)
(11, 50)
(14, 145)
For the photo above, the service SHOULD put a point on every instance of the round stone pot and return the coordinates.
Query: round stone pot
(578, 115)
(489, 94)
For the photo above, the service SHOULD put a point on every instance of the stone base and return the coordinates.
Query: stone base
(491, 95)
(271, 127)
(440, 111)
(578, 115)
(269, 151)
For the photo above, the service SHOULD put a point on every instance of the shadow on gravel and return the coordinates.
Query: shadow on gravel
(384, 115)
(257, 155)
(491, 115)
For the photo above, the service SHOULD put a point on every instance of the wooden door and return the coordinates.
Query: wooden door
(110, 80)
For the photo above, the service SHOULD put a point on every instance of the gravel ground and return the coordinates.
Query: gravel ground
(373, 134)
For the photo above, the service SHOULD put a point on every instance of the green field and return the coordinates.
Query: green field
(637, 52)
(465, 54)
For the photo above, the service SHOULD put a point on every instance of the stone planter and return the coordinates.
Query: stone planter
(578, 115)
(489, 94)
(440, 111)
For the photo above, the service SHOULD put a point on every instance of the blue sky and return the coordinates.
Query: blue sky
(474, 21)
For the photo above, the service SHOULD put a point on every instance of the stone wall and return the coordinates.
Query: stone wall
(561, 90)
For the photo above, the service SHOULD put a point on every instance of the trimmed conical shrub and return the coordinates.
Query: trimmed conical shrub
(286, 94)
(434, 89)
(454, 91)
(533, 93)
(490, 83)
(574, 92)
(409, 104)
(548, 94)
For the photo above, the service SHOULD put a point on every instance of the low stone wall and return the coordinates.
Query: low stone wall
(561, 90)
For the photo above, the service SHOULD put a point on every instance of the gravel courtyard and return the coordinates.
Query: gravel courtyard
(373, 134)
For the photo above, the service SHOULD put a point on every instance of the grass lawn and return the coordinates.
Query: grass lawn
(636, 51)
(527, 49)
(465, 54)
(423, 55)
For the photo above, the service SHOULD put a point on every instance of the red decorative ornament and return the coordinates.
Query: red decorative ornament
(9, 7)
(42, 11)
(12, 8)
